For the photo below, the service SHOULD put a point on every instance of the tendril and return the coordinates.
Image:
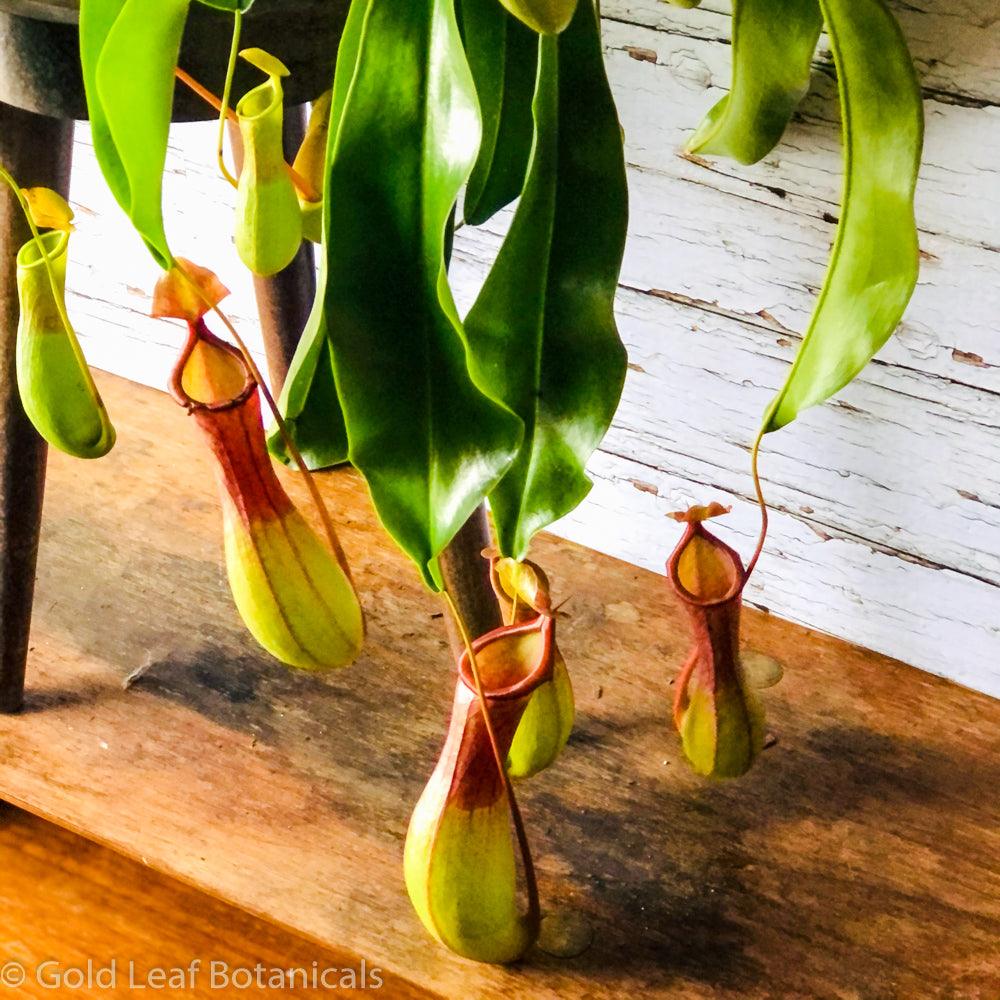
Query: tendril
(226, 93)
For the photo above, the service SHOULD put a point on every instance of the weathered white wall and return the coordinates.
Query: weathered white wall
(886, 526)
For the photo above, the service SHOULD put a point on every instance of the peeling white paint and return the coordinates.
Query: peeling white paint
(886, 528)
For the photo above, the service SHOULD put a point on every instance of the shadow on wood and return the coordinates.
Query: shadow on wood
(856, 859)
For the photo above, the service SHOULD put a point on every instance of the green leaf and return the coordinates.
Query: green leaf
(309, 401)
(503, 57)
(428, 441)
(129, 50)
(875, 261)
(773, 46)
(542, 332)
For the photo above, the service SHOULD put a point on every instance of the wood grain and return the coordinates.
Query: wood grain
(887, 522)
(64, 11)
(68, 902)
(954, 44)
(857, 860)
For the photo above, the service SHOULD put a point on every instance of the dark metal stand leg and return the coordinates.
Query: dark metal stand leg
(285, 300)
(38, 152)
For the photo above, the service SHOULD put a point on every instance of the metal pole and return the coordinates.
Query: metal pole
(38, 151)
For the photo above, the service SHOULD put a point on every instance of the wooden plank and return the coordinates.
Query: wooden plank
(81, 920)
(665, 99)
(857, 859)
(754, 239)
(947, 615)
(739, 254)
(748, 239)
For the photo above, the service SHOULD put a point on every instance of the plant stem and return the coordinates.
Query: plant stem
(204, 93)
(465, 574)
(226, 92)
(762, 503)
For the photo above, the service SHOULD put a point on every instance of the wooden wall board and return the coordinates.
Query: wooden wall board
(857, 860)
(887, 523)
(954, 45)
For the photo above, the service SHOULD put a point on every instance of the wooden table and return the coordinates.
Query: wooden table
(66, 901)
(858, 860)
(41, 96)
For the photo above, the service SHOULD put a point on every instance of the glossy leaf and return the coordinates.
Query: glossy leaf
(57, 390)
(288, 585)
(428, 441)
(542, 332)
(268, 217)
(716, 710)
(874, 265)
(547, 17)
(128, 51)
(459, 859)
(773, 46)
(503, 57)
(309, 401)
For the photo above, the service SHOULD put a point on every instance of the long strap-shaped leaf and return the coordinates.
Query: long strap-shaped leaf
(874, 265)
(309, 400)
(542, 331)
(773, 46)
(128, 51)
(428, 441)
(503, 57)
